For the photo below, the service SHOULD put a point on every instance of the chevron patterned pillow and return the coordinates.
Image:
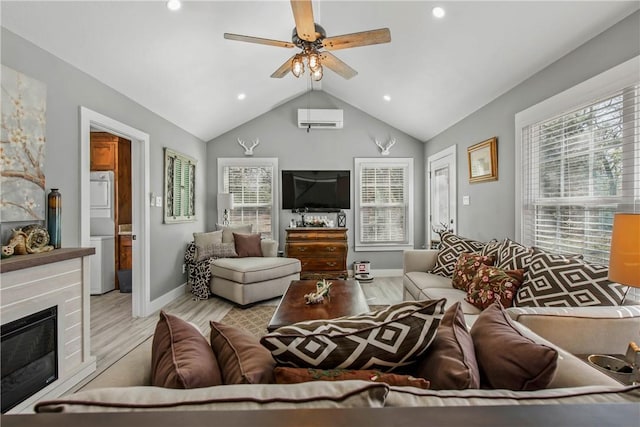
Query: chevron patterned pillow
(560, 281)
(384, 339)
(451, 247)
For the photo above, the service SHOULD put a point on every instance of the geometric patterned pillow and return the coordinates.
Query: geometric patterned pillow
(385, 339)
(491, 248)
(466, 268)
(559, 281)
(492, 284)
(513, 256)
(451, 246)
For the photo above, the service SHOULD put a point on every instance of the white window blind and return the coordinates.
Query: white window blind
(253, 184)
(579, 168)
(180, 196)
(384, 204)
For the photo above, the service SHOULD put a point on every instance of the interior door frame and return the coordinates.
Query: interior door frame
(141, 280)
(450, 152)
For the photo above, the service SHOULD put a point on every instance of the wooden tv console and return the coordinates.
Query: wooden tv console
(322, 251)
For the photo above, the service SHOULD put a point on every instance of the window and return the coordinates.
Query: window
(179, 191)
(253, 182)
(384, 204)
(580, 166)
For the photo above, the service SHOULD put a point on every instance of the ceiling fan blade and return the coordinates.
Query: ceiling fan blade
(258, 40)
(330, 61)
(283, 70)
(364, 38)
(303, 15)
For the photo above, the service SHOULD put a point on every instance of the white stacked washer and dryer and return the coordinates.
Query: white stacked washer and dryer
(102, 233)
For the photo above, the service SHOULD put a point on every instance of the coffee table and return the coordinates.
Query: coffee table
(346, 299)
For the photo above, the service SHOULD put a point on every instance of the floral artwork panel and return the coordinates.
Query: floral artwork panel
(22, 148)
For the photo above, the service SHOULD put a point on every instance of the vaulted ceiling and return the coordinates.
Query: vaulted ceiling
(436, 71)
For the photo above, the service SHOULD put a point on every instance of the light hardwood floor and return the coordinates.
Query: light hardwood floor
(114, 332)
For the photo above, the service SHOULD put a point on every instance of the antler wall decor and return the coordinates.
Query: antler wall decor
(384, 149)
(248, 151)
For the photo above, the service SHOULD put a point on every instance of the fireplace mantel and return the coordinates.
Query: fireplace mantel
(30, 283)
(18, 262)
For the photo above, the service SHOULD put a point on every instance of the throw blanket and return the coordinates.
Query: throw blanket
(198, 273)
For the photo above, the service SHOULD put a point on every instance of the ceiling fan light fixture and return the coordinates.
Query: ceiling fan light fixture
(316, 74)
(297, 65)
(314, 61)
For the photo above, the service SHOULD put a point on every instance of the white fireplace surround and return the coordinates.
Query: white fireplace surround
(63, 284)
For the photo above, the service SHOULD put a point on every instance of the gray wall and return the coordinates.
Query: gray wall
(321, 149)
(491, 213)
(67, 89)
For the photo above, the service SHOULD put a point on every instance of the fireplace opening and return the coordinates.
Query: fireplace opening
(29, 353)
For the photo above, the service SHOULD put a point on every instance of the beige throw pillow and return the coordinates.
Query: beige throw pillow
(205, 244)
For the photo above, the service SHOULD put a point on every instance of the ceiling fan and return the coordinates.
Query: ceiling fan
(312, 39)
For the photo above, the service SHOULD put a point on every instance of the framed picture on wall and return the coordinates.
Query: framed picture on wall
(483, 161)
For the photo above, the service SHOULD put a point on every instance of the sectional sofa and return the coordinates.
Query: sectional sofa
(495, 340)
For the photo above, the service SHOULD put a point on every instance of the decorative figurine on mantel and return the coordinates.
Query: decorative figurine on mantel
(322, 290)
(31, 239)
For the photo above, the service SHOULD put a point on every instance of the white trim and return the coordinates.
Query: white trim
(583, 93)
(275, 189)
(387, 272)
(453, 183)
(394, 161)
(141, 284)
(167, 298)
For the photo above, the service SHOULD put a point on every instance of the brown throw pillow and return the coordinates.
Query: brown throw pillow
(242, 359)
(181, 357)
(507, 359)
(450, 361)
(247, 245)
(466, 268)
(285, 375)
(492, 284)
(228, 230)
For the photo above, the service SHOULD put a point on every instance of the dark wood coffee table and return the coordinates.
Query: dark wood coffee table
(346, 299)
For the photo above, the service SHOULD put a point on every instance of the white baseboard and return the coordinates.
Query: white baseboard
(165, 299)
(390, 272)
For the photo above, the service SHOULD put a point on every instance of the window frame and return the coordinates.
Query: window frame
(597, 88)
(271, 162)
(188, 166)
(359, 164)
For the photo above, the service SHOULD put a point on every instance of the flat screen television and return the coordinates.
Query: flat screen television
(319, 190)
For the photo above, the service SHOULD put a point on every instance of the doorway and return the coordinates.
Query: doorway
(441, 194)
(91, 120)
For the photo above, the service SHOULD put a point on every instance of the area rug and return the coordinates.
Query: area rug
(255, 319)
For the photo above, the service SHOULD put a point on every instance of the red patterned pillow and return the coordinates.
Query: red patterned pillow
(285, 375)
(466, 267)
(492, 284)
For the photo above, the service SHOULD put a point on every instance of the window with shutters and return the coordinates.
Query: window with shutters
(253, 183)
(384, 204)
(179, 191)
(580, 166)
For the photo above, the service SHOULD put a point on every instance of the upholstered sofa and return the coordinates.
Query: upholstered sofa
(601, 329)
(244, 280)
(126, 386)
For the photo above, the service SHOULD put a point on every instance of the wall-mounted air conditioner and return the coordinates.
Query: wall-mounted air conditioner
(320, 119)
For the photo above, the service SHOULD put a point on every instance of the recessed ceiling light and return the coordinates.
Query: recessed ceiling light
(387, 98)
(174, 4)
(241, 96)
(438, 12)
